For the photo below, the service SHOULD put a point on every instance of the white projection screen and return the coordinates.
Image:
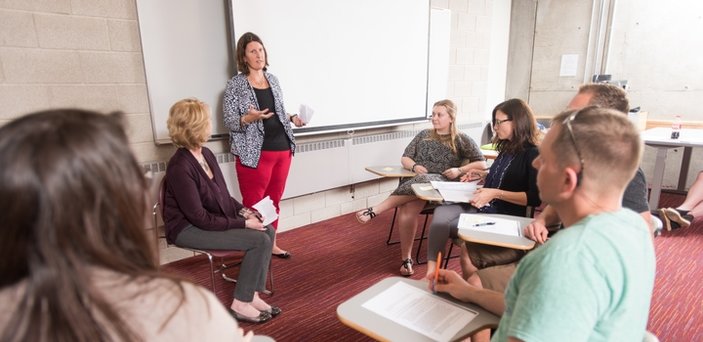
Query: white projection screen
(361, 63)
(356, 63)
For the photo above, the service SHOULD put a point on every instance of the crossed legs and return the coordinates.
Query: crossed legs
(694, 199)
(409, 207)
(444, 227)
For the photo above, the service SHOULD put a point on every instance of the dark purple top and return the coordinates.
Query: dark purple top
(191, 197)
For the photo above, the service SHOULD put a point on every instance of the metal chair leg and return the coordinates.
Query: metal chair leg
(390, 232)
(421, 238)
(449, 255)
(212, 273)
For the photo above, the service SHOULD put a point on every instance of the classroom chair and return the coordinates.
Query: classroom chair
(210, 253)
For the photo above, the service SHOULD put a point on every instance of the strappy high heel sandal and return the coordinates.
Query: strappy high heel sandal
(676, 218)
(406, 268)
(665, 219)
(368, 212)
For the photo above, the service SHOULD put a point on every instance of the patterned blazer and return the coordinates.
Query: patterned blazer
(246, 140)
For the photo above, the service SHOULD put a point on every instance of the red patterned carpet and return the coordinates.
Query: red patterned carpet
(337, 258)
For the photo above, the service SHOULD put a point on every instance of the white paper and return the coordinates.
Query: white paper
(306, 113)
(488, 224)
(421, 311)
(569, 65)
(267, 210)
(456, 191)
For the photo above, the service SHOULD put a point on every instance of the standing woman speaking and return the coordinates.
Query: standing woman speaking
(261, 135)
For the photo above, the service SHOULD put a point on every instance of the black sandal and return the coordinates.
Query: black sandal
(368, 212)
(406, 268)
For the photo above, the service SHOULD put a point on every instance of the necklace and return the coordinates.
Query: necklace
(203, 163)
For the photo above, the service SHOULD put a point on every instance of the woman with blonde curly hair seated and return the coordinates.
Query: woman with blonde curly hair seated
(200, 213)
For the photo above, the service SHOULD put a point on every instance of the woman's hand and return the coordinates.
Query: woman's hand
(254, 115)
(452, 173)
(484, 196)
(295, 119)
(254, 223)
(473, 175)
(419, 169)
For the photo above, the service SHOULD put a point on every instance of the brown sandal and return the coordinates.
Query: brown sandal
(368, 212)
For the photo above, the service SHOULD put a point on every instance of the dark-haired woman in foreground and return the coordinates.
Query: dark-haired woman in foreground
(77, 264)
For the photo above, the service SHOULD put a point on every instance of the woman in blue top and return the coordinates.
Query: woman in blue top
(509, 186)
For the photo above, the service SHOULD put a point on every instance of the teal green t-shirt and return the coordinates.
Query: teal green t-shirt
(591, 282)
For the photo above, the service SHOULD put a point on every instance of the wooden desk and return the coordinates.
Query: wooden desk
(500, 240)
(660, 138)
(354, 315)
(390, 171)
(426, 192)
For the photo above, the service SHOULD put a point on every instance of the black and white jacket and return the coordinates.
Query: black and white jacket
(246, 140)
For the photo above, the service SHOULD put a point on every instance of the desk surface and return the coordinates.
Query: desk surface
(425, 191)
(489, 154)
(390, 171)
(661, 136)
(500, 240)
(352, 314)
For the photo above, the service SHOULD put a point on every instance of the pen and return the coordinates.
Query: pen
(483, 224)
(436, 270)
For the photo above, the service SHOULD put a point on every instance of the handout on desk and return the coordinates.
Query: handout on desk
(484, 223)
(421, 311)
(456, 191)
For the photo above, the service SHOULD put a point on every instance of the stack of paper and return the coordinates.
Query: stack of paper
(456, 191)
(488, 224)
(267, 210)
(305, 113)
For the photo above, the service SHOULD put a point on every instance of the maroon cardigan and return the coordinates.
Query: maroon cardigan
(191, 197)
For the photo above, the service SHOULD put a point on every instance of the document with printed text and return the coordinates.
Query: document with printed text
(421, 311)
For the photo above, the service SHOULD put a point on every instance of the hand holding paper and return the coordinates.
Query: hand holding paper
(267, 210)
(306, 113)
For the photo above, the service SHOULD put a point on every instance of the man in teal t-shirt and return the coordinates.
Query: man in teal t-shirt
(593, 281)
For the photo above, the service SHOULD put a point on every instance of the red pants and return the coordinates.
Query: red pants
(268, 179)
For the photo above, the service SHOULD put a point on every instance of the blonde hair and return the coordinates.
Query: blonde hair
(189, 123)
(451, 110)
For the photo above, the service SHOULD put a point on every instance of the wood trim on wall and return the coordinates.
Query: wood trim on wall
(667, 123)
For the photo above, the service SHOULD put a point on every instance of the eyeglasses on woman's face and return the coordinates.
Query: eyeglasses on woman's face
(498, 122)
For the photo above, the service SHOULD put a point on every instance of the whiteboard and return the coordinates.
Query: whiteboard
(187, 53)
(356, 63)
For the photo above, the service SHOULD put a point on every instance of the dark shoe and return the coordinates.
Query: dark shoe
(368, 212)
(406, 268)
(674, 215)
(274, 311)
(284, 255)
(264, 316)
